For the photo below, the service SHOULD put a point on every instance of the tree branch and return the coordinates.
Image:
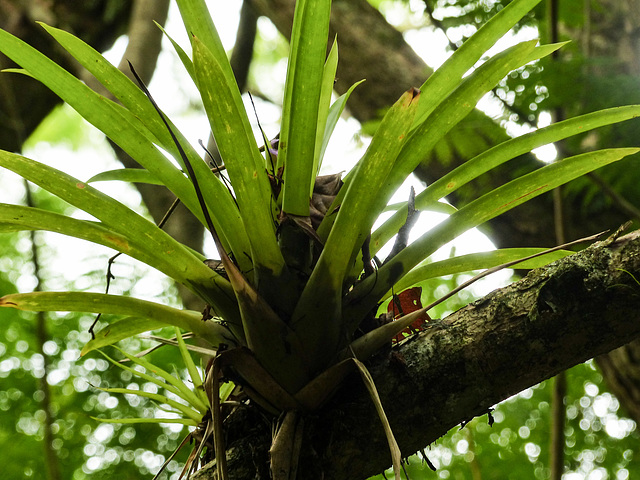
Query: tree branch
(515, 337)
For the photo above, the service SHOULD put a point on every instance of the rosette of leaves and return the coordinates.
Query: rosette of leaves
(296, 299)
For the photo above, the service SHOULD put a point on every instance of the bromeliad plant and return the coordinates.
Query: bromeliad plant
(296, 300)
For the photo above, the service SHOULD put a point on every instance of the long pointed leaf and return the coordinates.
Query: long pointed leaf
(18, 218)
(239, 150)
(332, 118)
(452, 110)
(130, 421)
(114, 120)
(186, 411)
(196, 379)
(477, 261)
(132, 175)
(366, 295)
(191, 271)
(457, 106)
(297, 151)
(117, 305)
(225, 214)
(183, 392)
(328, 79)
(316, 318)
(496, 156)
(445, 79)
(126, 327)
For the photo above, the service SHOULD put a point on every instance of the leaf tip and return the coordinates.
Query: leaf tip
(6, 302)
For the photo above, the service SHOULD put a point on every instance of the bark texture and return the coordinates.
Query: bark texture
(513, 338)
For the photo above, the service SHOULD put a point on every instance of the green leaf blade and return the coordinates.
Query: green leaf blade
(316, 318)
(442, 82)
(366, 295)
(499, 155)
(239, 150)
(148, 123)
(116, 305)
(300, 110)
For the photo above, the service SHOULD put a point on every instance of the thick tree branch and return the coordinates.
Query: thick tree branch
(515, 337)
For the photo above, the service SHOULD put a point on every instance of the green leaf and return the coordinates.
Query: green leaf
(116, 305)
(184, 58)
(328, 79)
(119, 330)
(356, 216)
(455, 107)
(300, 109)
(317, 315)
(174, 380)
(128, 421)
(132, 175)
(365, 296)
(477, 261)
(199, 24)
(115, 121)
(497, 156)
(196, 379)
(175, 386)
(186, 411)
(148, 123)
(332, 119)
(451, 111)
(185, 266)
(445, 79)
(17, 218)
(239, 150)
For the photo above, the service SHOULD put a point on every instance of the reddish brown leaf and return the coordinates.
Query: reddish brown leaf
(406, 302)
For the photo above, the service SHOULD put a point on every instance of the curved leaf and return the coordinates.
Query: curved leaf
(134, 128)
(239, 150)
(317, 315)
(116, 305)
(496, 156)
(171, 383)
(445, 79)
(128, 421)
(185, 410)
(119, 330)
(300, 107)
(132, 175)
(332, 118)
(186, 267)
(477, 261)
(16, 218)
(365, 296)
(328, 79)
